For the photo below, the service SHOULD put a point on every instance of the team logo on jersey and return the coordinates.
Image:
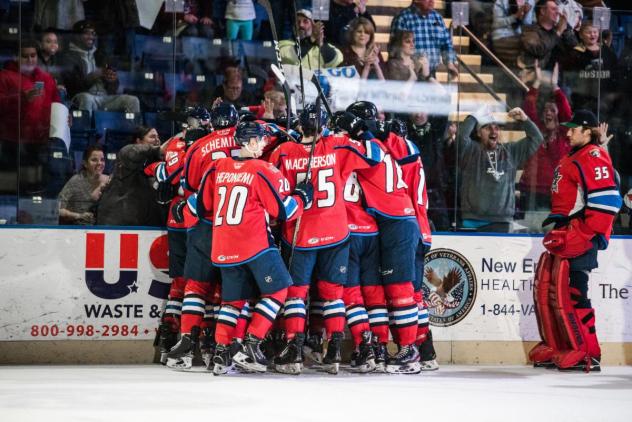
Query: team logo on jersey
(268, 279)
(128, 281)
(409, 211)
(313, 241)
(343, 269)
(595, 152)
(449, 286)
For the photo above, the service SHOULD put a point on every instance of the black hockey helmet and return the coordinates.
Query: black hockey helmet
(224, 115)
(398, 127)
(365, 110)
(307, 118)
(193, 134)
(247, 130)
(197, 116)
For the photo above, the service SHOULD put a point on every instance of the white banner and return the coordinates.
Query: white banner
(78, 284)
(344, 86)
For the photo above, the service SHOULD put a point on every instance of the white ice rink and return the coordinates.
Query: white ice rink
(454, 393)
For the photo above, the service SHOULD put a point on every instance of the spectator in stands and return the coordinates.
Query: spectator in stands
(26, 96)
(430, 33)
(536, 179)
(488, 170)
(58, 14)
(341, 14)
(430, 137)
(129, 199)
(315, 52)
(91, 80)
(361, 51)
(48, 56)
(404, 64)
(240, 15)
(232, 88)
(509, 17)
(551, 32)
(196, 21)
(590, 71)
(78, 198)
(572, 11)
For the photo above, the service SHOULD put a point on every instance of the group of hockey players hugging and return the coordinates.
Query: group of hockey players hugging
(280, 234)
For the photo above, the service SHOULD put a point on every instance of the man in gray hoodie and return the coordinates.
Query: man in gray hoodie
(89, 77)
(488, 170)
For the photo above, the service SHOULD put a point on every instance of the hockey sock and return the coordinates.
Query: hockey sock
(227, 321)
(243, 321)
(375, 304)
(423, 318)
(193, 304)
(357, 317)
(315, 315)
(173, 310)
(403, 311)
(265, 313)
(294, 310)
(333, 306)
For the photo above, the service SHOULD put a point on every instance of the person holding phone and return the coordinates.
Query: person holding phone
(26, 97)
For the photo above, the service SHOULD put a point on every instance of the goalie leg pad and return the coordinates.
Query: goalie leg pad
(547, 322)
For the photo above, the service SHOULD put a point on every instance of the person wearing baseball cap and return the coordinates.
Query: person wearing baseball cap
(488, 169)
(585, 200)
(315, 52)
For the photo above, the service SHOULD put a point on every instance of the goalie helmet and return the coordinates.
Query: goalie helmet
(365, 110)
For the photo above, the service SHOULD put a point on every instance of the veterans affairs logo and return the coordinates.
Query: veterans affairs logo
(449, 286)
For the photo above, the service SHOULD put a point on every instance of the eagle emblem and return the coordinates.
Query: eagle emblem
(443, 294)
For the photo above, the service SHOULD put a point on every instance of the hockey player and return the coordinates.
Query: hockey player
(386, 198)
(201, 277)
(584, 202)
(241, 193)
(321, 248)
(167, 175)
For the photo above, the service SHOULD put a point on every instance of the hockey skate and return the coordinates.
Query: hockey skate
(165, 340)
(207, 347)
(290, 360)
(250, 357)
(591, 364)
(363, 358)
(313, 348)
(181, 355)
(222, 360)
(380, 353)
(427, 355)
(331, 361)
(406, 361)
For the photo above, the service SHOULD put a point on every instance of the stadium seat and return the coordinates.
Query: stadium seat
(116, 121)
(166, 129)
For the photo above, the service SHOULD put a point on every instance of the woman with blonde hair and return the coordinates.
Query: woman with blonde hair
(361, 50)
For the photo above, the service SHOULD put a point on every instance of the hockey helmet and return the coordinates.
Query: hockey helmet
(398, 127)
(365, 110)
(224, 115)
(308, 116)
(247, 130)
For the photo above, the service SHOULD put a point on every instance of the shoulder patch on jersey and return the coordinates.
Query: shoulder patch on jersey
(595, 152)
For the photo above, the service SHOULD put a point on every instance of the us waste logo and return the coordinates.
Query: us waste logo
(449, 286)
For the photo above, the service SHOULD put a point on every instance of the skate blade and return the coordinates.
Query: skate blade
(180, 364)
(380, 367)
(207, 358)
(546, 365)
(369, 366)
(315, 357)
(242, 361)
(429, 365)
(289, 369)
(408, 369)
(330, 368)
(163, 358)
(221, 369)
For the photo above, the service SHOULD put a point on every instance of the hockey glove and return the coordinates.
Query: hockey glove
(568, 242)
(305, 191)
(382, 130)
(177, 210)
(353, 125)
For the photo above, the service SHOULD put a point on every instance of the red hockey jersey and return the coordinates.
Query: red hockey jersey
(407, 156)
(358, 219)
(218, 144)
(242, 194)
(383, 185)
(585, 193)
(334, 158)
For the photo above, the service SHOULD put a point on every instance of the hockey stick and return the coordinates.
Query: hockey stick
(298, 53)
(321, 94)
(278, 73)
(275, 38)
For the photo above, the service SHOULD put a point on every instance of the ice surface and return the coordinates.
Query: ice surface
(470, 393)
